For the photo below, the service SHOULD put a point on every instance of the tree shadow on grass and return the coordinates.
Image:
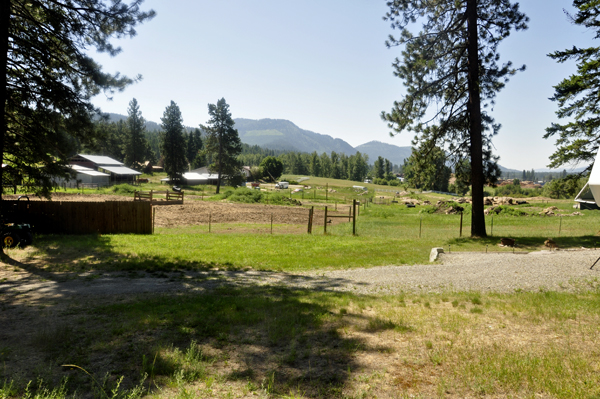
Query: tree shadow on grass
(532, 243)
(258, 338)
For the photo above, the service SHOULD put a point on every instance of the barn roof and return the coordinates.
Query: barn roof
(101, 160)
(120, 170)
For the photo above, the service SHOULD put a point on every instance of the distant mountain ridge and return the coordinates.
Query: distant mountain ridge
(281, 134)
(395, 154)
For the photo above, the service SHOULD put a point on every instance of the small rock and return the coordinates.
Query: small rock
(435, 253)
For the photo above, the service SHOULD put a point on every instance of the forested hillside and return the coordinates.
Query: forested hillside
(279, 134)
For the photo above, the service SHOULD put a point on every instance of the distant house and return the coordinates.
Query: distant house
(246, 172)
(203, 176)
(197, 177)
(117, 171)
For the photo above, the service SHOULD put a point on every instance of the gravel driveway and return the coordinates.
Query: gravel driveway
(493, 272)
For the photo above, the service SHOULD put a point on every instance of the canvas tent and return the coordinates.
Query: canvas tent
(589, 196)
(585, 198)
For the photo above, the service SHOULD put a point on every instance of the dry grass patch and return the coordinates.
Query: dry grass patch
(277, 343)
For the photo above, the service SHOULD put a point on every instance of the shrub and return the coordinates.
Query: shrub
(124, 189)
(245, 195)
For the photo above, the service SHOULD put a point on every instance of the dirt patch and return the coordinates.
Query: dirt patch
(194, 211)
(199, 212)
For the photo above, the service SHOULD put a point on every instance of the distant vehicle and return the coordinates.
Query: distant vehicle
(282, 184)
(255, 185)
(360, 188)
(368, 181)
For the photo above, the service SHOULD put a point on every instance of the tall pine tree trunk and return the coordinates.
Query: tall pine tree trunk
(477, 215)
(220, 161)
(4, 26)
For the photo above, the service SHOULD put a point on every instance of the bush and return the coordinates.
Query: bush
(512, 190)
(241, 194)
(510, 211)
(124, 189)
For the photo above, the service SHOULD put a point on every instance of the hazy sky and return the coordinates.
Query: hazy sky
(323, 65)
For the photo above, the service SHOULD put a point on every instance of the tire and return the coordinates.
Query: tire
(10, 239)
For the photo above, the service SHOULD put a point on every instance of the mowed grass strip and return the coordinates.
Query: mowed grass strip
(274, 342)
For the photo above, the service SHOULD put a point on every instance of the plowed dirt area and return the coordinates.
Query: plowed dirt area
(196, 212)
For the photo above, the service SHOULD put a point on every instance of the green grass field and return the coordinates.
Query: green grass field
(386, 235)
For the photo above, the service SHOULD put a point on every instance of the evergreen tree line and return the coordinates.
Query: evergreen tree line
(532, 175)
(334, 165)
(129, 142)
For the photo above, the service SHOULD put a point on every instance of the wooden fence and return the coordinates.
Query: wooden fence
(170, 197)
(68, 217)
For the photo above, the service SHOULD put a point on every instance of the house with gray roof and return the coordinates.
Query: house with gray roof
(117, 171)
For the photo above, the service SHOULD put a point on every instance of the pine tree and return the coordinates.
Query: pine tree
(452, 64)
(315, 165)
(577, 96)
(136, 149)
(194, 145)
(222, 142)
(379, 168)
(173, 143)
(48, 79)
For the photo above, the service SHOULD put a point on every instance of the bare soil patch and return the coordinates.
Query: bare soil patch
(194, 211)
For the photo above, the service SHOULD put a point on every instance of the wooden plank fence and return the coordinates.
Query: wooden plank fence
(69, 217)
(171, 197)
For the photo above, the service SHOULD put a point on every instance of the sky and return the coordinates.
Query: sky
(323, 65)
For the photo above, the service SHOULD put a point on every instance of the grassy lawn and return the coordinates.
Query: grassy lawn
(272, 342)
(386, 235)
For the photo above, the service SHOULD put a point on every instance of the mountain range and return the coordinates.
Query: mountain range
(281, 134)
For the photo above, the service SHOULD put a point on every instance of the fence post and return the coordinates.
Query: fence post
(560, 226)
(492, 232)
(326, 192)
(325, 223)
(209, 221)
(310, 218)
(153, 218)
(354, 217)
(461, 220)
(420, 225)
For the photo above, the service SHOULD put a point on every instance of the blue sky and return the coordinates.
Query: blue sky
(323, 65)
